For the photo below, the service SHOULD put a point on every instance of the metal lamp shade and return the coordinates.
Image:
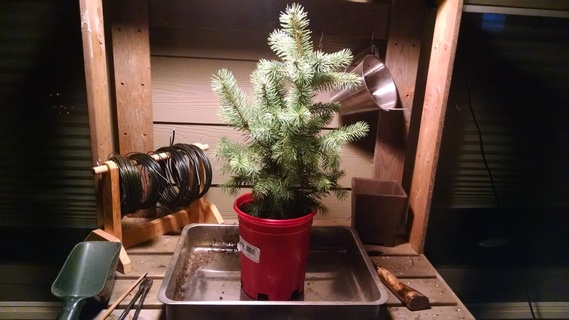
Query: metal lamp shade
(376, 91)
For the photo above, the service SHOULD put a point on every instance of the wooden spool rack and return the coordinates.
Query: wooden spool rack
(114, 229)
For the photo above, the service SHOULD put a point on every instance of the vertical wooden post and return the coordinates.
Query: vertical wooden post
(443, 49)
(112, 201)
(402, 59)
(131, 55)
(98, 97)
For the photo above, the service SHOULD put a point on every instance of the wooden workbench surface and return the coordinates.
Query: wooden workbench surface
(153, 257)
(411, 268)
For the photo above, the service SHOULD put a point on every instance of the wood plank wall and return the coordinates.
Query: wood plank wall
(191, 40)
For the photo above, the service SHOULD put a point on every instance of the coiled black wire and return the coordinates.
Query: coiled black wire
(130, 184)
(177, 180)
(177, 173)
(202, 173)
(192, 163)
(207, 174)
(152, 177)
(189, 174)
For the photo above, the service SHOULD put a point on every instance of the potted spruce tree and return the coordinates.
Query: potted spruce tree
(287, 158)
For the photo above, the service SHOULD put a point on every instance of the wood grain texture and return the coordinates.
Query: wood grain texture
(402, 60)
(98, 99)
(155, 264)
(131, 54)
(409, 296)
(151, 301)
(164, 244)
(412, 266)
(445, 38)
(198, 211)
(439, 313)
(111, 201)
(403, 249)
(97, 86)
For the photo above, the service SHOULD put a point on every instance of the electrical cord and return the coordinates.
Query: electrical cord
(481, 144)
(491, 177)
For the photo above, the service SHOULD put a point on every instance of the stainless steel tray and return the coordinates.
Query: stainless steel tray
(203, 279)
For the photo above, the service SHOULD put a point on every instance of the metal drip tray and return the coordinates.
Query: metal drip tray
(203, 279)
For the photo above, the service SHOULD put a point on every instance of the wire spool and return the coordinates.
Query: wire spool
(192, 162)
(188, 172)
(202, 172)
(174, 176)
(152, 178)
(176, 173)
(130, 184)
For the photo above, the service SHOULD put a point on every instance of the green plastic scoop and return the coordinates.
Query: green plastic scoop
(88, 272)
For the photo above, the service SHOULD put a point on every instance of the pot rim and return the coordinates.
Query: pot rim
(247, 197)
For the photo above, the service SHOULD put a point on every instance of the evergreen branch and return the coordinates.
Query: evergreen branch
(295, 23)
(332, 81)
(334, 139)
(281, 42)
(341, 194)
(234, 102)
(326, 62)
(322, 115)
(239, 159)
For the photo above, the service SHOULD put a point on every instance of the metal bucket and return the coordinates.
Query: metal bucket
(376, 91)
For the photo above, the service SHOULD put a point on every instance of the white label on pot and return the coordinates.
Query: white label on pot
(249, 250)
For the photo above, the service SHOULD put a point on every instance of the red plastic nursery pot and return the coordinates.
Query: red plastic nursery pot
(273, 254)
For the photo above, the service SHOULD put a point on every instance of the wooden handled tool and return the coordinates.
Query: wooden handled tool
(413, 299)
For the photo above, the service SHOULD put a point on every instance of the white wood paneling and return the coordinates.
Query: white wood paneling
(181, 88)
